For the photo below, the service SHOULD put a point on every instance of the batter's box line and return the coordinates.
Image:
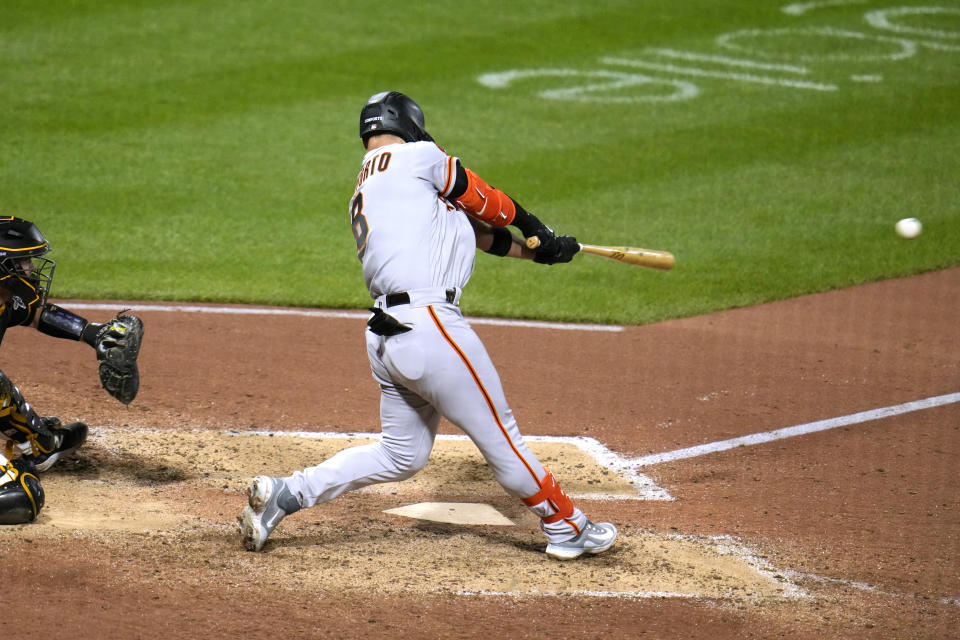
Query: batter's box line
(725, 545)
(626, 595)
(862, 586)
(646, 488)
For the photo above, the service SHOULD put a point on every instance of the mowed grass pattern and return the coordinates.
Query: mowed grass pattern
(206, 151)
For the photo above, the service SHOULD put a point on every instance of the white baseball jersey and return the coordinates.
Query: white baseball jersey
(410, 240)
(408, 236)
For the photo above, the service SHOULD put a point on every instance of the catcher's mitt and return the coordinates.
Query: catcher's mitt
(118, 345)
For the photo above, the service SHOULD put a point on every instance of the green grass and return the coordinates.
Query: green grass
(206, 150)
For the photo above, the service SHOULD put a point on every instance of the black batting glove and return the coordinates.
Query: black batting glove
(554, 249)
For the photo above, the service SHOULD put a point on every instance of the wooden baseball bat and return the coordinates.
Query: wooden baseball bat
(630, 255)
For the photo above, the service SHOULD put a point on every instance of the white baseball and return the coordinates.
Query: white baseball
(909, 228)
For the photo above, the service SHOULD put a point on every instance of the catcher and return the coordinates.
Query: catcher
(25, 278)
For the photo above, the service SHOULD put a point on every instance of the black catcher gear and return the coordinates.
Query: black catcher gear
(42, 441)
(66, 440)
(23, 269)
(19, 422)
(393, 112)
(118, 344)
(21, 496)
(61, 323)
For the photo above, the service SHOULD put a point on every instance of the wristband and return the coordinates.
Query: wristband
(60, 323)
(502, 241)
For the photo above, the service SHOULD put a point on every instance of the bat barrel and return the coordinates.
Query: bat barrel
(641, 257)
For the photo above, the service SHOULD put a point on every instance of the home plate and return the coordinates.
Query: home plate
(453, 513)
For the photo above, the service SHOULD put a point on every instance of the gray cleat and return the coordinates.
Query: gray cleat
(269, 502)
(596, 537)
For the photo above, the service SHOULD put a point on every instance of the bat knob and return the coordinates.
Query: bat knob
(533, 242)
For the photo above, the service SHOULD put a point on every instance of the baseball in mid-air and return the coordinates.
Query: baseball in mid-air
(909, 228)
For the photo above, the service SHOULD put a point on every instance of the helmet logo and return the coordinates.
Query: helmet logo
(18, 303)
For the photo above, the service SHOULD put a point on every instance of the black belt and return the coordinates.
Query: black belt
(402, 297)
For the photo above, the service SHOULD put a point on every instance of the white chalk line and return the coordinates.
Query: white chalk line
(723, 75)
(790, 432)
(907, 48)
(691, 56)
(628, 468)
(724, 545)
(861, 586)
(649, 490)
(799, 8)
(881, 19)
(320, 313)
(611, 81)
(646, 488)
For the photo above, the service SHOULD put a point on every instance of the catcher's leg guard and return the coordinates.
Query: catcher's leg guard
(18, 420)
(21, 496)
(41, 440)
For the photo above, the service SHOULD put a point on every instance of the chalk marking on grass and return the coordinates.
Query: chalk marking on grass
(722, 75)
(799, 8)
(611, 81)
(901, 47)
(691, 56)
(790, 432)
(881, 19)
(322, 313)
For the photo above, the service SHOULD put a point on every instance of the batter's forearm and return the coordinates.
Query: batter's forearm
(492, 206)
(528, 224)
(499, 241)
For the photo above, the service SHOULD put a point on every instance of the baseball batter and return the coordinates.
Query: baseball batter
(418, 217)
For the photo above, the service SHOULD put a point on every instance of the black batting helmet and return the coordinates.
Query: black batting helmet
(23, 266)
(393, 112)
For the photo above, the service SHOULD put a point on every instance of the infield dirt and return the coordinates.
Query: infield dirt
(851, 532)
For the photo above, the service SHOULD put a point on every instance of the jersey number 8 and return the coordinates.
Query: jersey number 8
(359, 223)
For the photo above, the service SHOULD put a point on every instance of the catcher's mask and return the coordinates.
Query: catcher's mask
(393, 112)
(22, 248)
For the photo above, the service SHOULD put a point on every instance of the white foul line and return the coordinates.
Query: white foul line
(798, 430)
(321, 313)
